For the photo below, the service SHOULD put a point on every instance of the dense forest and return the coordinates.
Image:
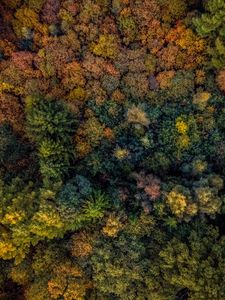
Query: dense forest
(112, 149)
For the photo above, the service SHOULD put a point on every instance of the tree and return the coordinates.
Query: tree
(12, 3)
(57, 275)
(49, 13)
(210, 24)
(106, 46)
(35, 5)
(113, 226)
(150, 184)
(197, 264)
(173, 10)
(95, 206)
(54, 159)
(128, 28)
(119, 267)
(181, 204)
(81, 244)
(27, 19)
(19, 203)
(51, 126)
(49, 119)
(74, 193)
(137, 115)
(188, 47)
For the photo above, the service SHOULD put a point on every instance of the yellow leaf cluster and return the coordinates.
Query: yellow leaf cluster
(106, 46)
(7, 87)
(6, 249)
(113, 226)
(181, 126)
(13, 218)
(120, 153)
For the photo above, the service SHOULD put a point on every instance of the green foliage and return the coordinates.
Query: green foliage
(18, 205)
(197, 264)
(120, 272)
(128, 28)
(74, 192)
(47, 223)
(54, 159)
(95, 206)
(178, 137)
(211, 24)
(51, 126)
(50, 120)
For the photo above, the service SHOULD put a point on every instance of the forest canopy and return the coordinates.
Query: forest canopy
(112, 150)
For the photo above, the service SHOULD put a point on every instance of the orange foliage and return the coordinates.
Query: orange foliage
(68, 281)
(154, 39)
(190, 45)
(118, 96)
(94, 90)
(110, 69)
(145, 11)
(221, 80)
(11, 111)
(72, 75)
(108, 26)
(108, 133)
(72, 7)
(164, 79)
(23, 60)
(167, 57)
(7, 47)
(200, 76)
(26, 18)
(93, 65)
(82, 147)
(81, 244)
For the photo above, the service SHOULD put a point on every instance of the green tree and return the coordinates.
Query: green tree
(196, 264)
(49, 119)
(211, 25)
(95, 206)
(127, 266)
(19, 202)
(51, 125)
(119, 267)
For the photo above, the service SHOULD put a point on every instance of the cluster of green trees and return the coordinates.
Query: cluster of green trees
(112, 150)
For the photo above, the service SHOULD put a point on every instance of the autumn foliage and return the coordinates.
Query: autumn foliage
(112, 149)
